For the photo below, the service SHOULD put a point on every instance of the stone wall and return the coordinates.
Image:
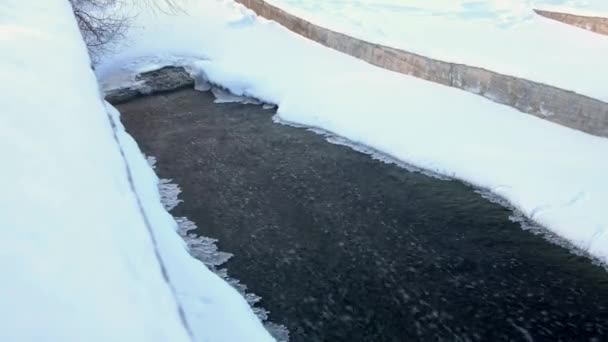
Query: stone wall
(554, 104)
(595, 24)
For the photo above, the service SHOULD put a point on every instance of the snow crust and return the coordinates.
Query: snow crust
(87, 251)
(554, 175)
(504, 36)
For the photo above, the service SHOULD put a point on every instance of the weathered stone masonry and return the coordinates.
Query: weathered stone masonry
(551, 103)
(595, 24)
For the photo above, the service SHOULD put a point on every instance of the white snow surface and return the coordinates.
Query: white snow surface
(504, 36)
(554, 175)
(80, 251)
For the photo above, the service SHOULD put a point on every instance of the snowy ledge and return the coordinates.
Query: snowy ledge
(592, 23)
(88, 250)
(551, 103)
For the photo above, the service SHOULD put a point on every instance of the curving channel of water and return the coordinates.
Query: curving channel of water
(343, 247)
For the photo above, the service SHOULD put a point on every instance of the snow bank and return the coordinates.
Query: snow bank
(595, 8)
(83, 257)
(504, 36)
(554, 175)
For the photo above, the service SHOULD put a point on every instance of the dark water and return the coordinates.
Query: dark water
(345, 248)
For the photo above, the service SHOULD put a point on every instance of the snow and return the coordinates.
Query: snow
(594, 8)
(552, 174)
(504, 36)
(86, 237)
(88, 253)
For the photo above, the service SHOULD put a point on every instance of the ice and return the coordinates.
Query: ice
(201, 84)
(205, 249)
(224, 96)
(200, 247)
(168, 193)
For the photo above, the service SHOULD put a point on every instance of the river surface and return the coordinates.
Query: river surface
(342, 247)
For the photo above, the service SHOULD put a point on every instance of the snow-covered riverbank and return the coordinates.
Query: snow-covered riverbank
(88, 253)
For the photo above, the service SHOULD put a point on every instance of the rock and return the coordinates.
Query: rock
(165, 79)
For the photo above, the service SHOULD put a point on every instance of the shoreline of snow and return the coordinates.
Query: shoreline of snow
(517, 216)
(209, 303)
(89, 251)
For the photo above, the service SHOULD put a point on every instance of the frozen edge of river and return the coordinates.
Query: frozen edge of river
(205, 249)
(516, 215)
